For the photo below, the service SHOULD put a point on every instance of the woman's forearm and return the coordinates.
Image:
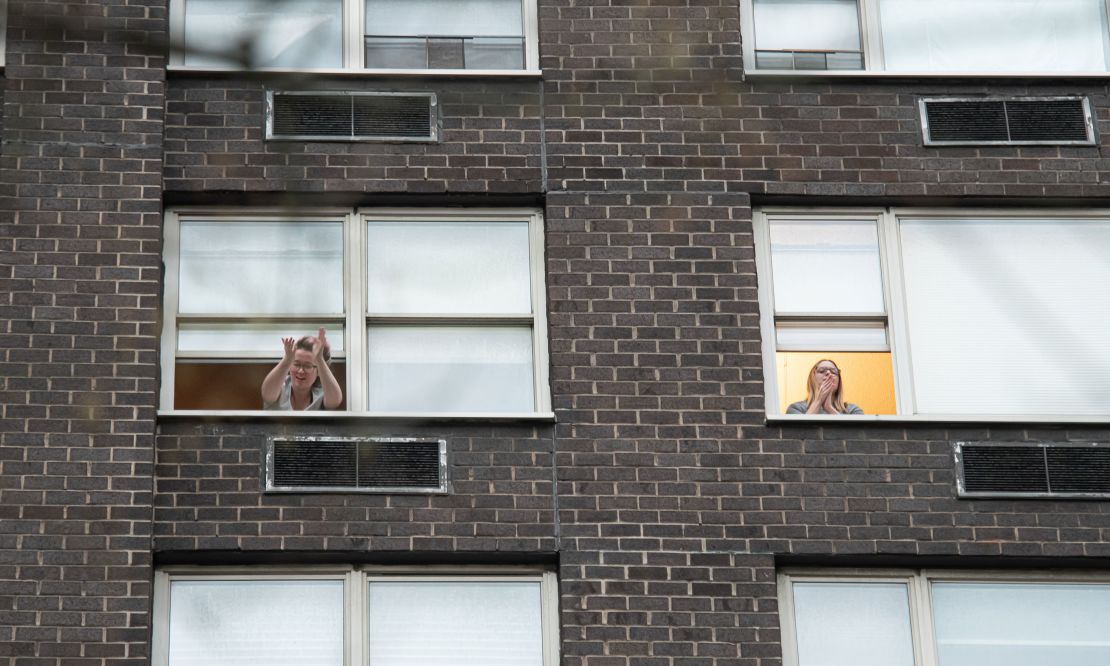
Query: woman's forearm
(271, 386)
(333, 392)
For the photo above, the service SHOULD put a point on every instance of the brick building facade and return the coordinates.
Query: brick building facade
(652, 476)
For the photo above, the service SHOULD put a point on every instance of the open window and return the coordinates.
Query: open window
(427, 311)
(483, 36)
(335, 616)
(936, 314)
(1020, 37)
(942, 618)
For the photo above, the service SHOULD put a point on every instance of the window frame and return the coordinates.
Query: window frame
(891, 274)
(873, 62)
(355, 610)
(355, 318)
(354, 51)
(919, 596)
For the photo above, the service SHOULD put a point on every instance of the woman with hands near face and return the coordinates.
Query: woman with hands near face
(824, 392)
(302, 380)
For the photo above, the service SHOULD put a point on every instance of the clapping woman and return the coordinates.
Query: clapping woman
(824, 392)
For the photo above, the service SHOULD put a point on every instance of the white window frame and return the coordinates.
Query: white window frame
(355, 318)
(871, 43)
(354, 51)
(355, 580)
(918, 583)
(890, 260)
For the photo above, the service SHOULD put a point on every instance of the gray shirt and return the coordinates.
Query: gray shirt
(801, 406)
(285, 400)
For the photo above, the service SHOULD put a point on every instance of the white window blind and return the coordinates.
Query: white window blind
(1008, 316)
(833, 621)
(443, 18)
(290, 33)
(826, 266)
(819, 25)
(994, 35)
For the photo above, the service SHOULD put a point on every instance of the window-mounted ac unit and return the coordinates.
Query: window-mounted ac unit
(356, 465)
(352, 116)
(1013, 121)
(1032, 469)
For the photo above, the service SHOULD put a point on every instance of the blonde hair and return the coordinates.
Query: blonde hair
(838, 396)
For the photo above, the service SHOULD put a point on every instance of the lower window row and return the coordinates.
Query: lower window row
(333, 617)
(943, 618)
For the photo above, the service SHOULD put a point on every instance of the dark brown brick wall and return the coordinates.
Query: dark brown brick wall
(215, 141)
(79, 280)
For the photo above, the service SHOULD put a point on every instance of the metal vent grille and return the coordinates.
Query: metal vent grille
(351, 116)
(1016, 121)
(372, 465)
(1032, 470)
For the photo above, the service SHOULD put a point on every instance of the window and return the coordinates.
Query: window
(351, 617)
(389, 35)
(426, 311)
(964, 315)
(938, 36)
(943, 618)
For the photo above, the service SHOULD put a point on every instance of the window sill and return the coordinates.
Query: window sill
(881, 419)
(377, 417)
(871, 74)
(188, 70)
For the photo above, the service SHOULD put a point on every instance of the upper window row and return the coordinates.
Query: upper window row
(937, 314)
(387, 35)
(383, 311)
(928, 36)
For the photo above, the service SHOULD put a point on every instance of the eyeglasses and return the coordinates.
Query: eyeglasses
(307, 367)
(827, 371)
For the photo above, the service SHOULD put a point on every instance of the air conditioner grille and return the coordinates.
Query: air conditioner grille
(1020, 121)
(1033, 470)
(355, 465)
(352, 116)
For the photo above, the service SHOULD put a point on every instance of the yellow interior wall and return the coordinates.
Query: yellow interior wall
(868, 378)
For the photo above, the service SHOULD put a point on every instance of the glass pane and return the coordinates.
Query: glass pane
(994, 35)
(450, 369)
(852, 624)
(495, 53)
(846, 337)
(290, 33)
(448, 267)
(1008, 317)
(455, 624)
(444, 18)
(237, 267)
(254, 339)
(220, 386)
(866, 378)
(806, 25)
(826, 266)
(1011, 624)
(277, 623)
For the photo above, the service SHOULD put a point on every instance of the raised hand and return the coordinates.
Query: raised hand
(319, 345)
(287, 347)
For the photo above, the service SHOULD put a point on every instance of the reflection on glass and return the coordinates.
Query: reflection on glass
(450, 369)
(239, 267)
(805, 336)
(448, 267)
(290, 33)
(826, 267)
(250, 339)
(277, 623)
(852, 624)
(1021, 624)
(455, 624)
(806, 25)
(867, 377)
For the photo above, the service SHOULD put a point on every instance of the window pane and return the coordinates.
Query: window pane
(852, 624)
(455, 624)
(450, 369)
(448, 267)
(237, 267)
(994, 35)
(290, 33)
(253, 339)
(867, 378)
(1021, 624)
(444, 18)
(826, 267)
(1008, 317)
(806, 25)
(277, 623)
(846, 337)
